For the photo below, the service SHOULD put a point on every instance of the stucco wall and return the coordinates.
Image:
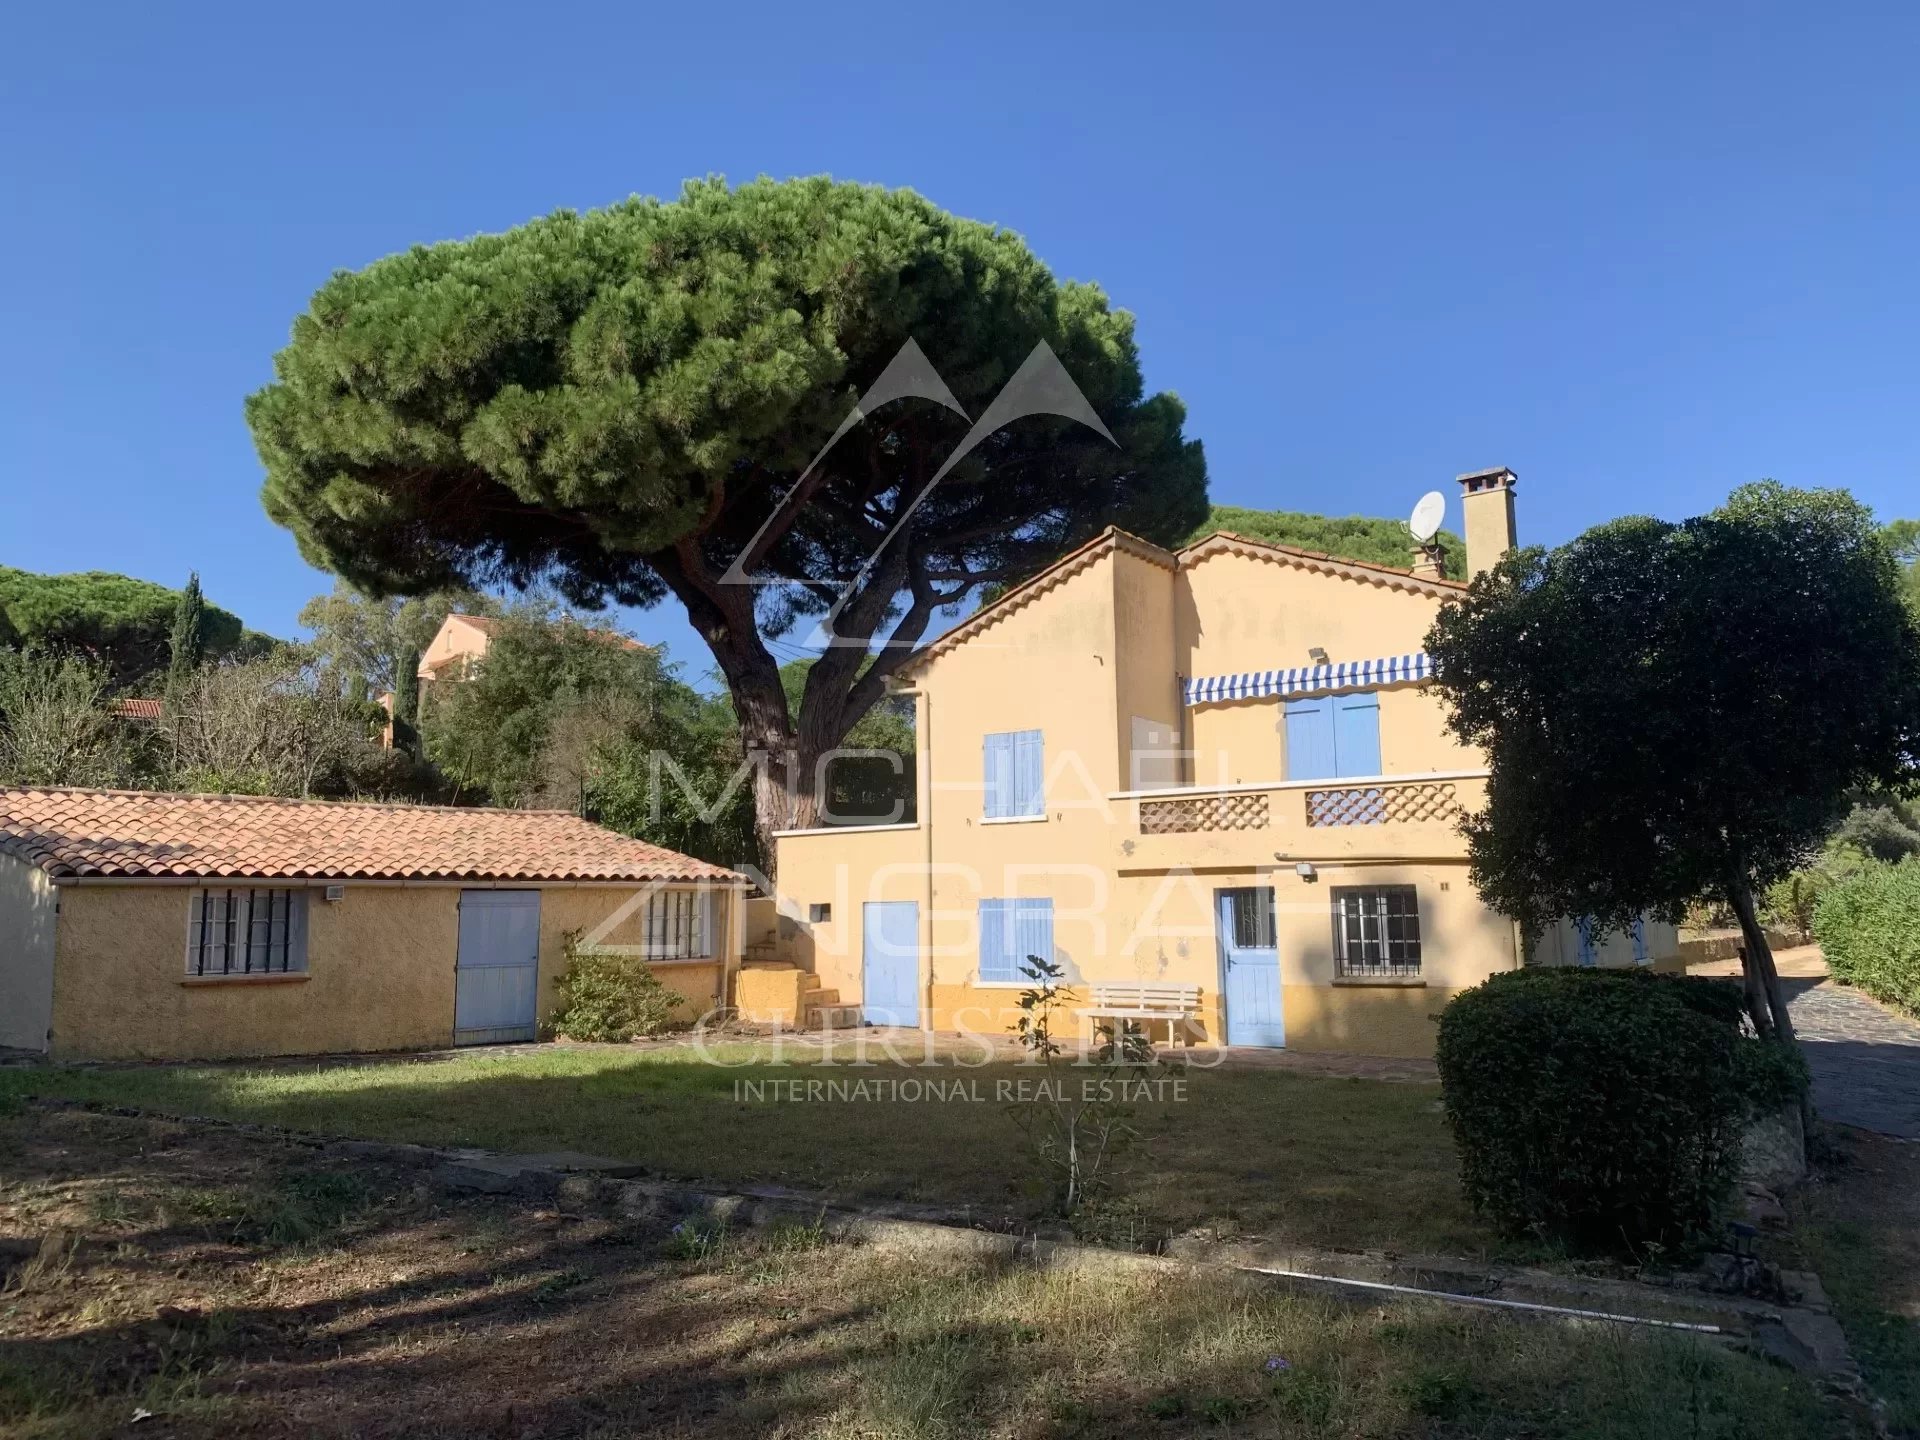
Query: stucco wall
(1237, 614)
(380, 977)
(1103, 645)
(380, 973)
(1161, 928)
(1559, 944)
(588, 909)
(27, 922)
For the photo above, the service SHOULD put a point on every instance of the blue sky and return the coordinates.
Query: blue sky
(1640, 253)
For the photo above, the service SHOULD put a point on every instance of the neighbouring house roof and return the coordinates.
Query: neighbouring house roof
(78, 834)
(489, 627)
(134, 709)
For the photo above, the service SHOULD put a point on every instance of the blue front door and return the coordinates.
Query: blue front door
(1249, 965)
(890, 965)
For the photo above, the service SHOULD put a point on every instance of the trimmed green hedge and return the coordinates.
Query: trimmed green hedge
(1604, 1110)
(1869, 928)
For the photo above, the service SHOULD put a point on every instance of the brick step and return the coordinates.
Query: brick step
(830, 1017)
(818, 997)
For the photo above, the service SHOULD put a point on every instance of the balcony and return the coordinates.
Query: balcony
(1385, 817)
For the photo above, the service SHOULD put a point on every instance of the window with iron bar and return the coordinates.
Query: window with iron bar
(231, 931)
(1376, 931)
(678, 925)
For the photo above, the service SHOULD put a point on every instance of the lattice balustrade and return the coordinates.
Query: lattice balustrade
(1383, 804)
(1203, 812)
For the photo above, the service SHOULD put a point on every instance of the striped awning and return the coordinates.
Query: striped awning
(1309, 679)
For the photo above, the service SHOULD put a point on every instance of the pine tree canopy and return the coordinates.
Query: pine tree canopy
(617, 402)
(123, 622)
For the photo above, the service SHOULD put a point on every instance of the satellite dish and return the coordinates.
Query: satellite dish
(1427, 515)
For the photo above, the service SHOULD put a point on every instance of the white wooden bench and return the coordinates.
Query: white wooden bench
(1177, 1005)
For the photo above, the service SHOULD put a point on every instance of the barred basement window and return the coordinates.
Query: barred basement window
(247, 932)
(1376, 931)
(678, 925)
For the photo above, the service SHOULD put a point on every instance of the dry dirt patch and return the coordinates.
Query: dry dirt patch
(232, 1285)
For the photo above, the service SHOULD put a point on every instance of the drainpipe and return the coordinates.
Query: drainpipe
(923, 812)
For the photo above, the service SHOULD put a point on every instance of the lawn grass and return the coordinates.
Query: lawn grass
(1313, 1161)
(406, 1313)
(1858, 1227)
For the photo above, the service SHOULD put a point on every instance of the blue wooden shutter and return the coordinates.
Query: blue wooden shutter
(1032, 934)
(1028, 773)
(1310, 752)
(1356, 734)
(996, 953)
(1583, 930)
(999, 776)
(1640, 953)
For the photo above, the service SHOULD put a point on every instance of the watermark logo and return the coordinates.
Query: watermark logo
(1041, 386)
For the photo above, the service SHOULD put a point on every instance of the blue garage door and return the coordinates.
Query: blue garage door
(496, 991)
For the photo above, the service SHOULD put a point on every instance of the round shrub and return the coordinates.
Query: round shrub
(1602, 1110)
(1869, 928)
(611, 997)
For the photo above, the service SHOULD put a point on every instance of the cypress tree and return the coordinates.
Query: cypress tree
(406, 699)
(188, 641)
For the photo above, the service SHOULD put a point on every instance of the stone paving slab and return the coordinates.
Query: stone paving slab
(1864, 1058)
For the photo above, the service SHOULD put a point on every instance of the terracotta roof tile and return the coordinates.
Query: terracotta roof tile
(81, 833)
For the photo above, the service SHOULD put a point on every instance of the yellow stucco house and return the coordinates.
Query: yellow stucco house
(136, 925)
(1218, 772)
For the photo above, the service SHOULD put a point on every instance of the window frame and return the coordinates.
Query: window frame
(1330, 716)
(1009, 804)
(1007, 910)
(1387, 967)
(677, 930)
(238, 927)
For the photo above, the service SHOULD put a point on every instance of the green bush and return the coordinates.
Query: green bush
(606, 996)
(1604, 1110)
(1869, 928)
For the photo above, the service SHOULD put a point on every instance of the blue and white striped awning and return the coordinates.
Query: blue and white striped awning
(1309, 679)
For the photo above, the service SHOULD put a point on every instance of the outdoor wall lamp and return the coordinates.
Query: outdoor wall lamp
(1304, 871)
(1317, 654)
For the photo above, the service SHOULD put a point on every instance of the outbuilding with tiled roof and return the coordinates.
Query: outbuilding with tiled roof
(150, 925)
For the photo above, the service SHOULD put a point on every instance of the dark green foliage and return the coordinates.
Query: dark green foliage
(611, 998)
(1668, 707)
(1603, 1110)
(685, 786)
(565, 716)
(187, 639)
(1869, 928)
(1672, 711)
(1885, 831)
(876, 788)
(615, 402)
(125, 623)
(1903, 538)
(1350, 537)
